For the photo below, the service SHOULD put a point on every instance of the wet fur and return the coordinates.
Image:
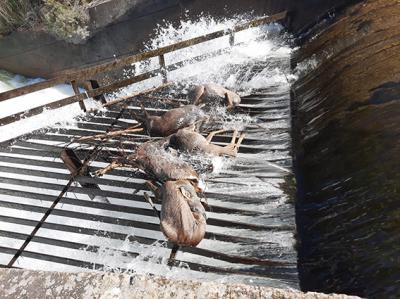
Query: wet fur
(183, 220)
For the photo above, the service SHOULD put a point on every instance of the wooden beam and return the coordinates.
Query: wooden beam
(76, 168)
(139, 93)
(107, 88)
(163, 68)
(76, 98)
(76, 90)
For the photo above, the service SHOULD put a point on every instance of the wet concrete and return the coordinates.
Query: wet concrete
(39, 284)
(347, 154)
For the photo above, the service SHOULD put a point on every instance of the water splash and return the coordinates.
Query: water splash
(253, 47)
(244, 68)
(22, 103)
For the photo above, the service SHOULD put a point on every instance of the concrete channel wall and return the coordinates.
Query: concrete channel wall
(38, 284)
(347, 145)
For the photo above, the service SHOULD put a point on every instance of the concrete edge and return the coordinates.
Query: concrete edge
(16, 283)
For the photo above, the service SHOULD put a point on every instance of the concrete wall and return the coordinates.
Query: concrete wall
(347, 123)
(38, 284)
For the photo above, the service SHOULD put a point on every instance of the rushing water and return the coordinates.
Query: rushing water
(261, 47)
(10, 81)
(259, 60)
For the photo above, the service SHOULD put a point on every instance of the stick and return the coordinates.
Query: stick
(165, 99)
(110, 134)
(143, 92)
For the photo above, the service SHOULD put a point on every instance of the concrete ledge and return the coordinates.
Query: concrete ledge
(39, 284)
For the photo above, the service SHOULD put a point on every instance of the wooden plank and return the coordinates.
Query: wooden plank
(100, 91)
(163, 68)
(74, 165)
(89, 71)
(76, 98)
(76, 90)
(136, 94)
(93, 84)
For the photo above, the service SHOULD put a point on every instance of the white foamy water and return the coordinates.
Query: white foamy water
(255, 48)
(22, 103)
(252, 46)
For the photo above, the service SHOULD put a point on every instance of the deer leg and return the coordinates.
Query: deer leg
(108, 168)
(233, 140)
(172, 256)
(212, 134)
(198, 92)
(229, 101)
(232, 148)
(237, 145)
(147, 197)
(153, 188)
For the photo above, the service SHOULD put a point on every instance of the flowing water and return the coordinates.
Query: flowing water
(258, 61)
(347, 141)
(10, 81)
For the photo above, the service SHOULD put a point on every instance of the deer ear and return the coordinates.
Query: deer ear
(185, 193)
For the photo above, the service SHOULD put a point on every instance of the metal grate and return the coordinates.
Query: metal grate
(105, 224)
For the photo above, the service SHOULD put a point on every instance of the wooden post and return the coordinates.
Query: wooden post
(93, 85)
(76, 90)
(73, 163)
(163, 68)
(232, 39)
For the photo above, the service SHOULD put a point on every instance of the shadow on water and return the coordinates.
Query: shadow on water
(347, 144)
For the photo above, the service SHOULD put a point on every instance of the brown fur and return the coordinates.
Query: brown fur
(173, 120)
(188, 140)
(183, 219)
(159, 163)
(210, 92)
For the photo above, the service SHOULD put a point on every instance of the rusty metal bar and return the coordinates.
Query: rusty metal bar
(89, 71)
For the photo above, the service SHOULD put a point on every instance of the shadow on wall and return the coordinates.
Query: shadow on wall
(348, 145)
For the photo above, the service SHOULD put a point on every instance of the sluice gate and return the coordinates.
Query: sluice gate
(52, 220)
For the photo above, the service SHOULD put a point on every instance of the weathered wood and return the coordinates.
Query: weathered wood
(163, 68)
(99, 91)
(74, 164)
(93, 84)
(111, 134)
(76, 90)
(76, 98)
(139, 93)
(90, 71)
(232, 39)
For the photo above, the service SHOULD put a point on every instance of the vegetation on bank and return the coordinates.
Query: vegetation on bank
(65, 19)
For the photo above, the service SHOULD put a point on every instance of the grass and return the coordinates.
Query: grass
(64, 19)
(15, 14)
